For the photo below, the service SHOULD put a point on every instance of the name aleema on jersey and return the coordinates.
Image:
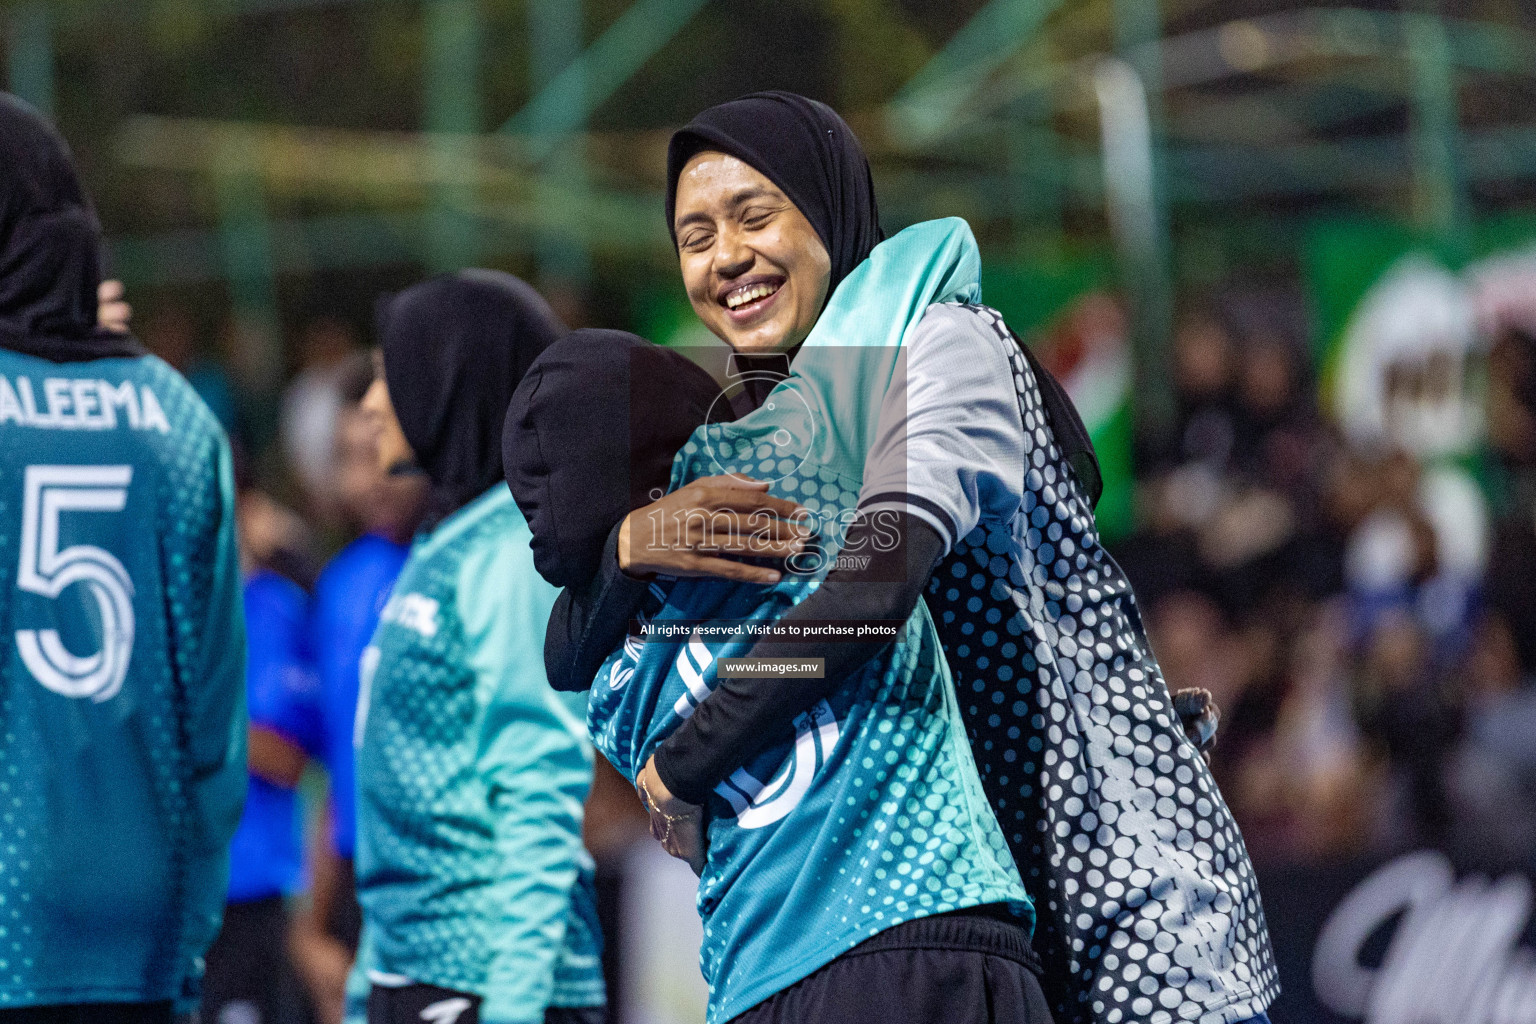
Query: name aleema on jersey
(69, 403)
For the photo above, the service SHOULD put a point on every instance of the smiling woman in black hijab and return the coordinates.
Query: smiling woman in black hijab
(804, 148)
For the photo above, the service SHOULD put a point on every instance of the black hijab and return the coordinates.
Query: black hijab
(455, 348)
(804, 148)
(590, 434)
(50, 246)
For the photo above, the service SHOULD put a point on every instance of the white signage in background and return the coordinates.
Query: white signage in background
(1408, 374)
(661, 935)
(1453, 957)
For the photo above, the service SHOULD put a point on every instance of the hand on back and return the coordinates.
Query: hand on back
(705, 527)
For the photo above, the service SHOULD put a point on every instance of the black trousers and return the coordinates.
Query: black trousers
(90, 1013)
(250, 979)
(958, 968)
(430, 1004)
(344, 920)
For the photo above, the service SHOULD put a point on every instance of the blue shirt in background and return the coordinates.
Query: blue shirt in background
(266, 857)
(349, 595)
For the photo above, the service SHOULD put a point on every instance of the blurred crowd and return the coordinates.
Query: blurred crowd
(1360, 605)
(1360, 601)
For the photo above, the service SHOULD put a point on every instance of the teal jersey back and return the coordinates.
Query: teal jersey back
(871, 812)
(122, 692)
(472, 774)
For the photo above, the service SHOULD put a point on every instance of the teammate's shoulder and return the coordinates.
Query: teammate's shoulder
(966, 317)
(502, 534)
(499, 545)
(491, 518)
(181, 400)
(165, 395)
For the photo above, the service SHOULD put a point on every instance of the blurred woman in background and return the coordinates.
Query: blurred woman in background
(471, 772)
(349, 595)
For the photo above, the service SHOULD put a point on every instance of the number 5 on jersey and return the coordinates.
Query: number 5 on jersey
(44, 569)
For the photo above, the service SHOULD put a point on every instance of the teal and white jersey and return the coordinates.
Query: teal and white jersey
(872, 812)
(122, 681)
(471, 775)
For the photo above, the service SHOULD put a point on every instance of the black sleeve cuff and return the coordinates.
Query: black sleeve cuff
(688, 790)
(590, 621)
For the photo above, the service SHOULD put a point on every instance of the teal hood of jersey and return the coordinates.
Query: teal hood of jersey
(871, 813)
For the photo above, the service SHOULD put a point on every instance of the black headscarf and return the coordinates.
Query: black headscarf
(804, 148)
(50, 246)
(455, 348)
(590, 433)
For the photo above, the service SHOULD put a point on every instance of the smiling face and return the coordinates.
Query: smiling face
(755, 270)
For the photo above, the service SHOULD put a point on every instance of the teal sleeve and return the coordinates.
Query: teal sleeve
(537, 767)
(210, 663)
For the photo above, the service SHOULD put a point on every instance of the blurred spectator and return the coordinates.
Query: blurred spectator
(310, 406)
(172, 335)
(1493, 773)
(1276, 419)
(249, 351)
(1306, 787)
(349, 595)
(1407, 712)
(1230, 500)
(1421, 549)
(250, 979)
(274, 537)
(1181, 473)
(1512, 434)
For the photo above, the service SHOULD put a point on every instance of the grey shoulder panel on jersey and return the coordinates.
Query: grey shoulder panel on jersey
(1067, 427)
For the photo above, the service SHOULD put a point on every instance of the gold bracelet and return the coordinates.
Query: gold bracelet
(652, 809)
